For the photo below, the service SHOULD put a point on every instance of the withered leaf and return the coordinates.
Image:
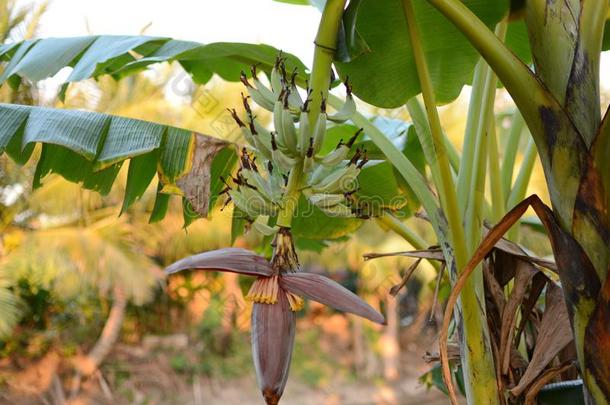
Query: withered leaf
(523, 275)
(195, 184)
(555, 333)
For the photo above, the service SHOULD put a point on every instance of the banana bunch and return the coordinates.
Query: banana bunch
(259, 187)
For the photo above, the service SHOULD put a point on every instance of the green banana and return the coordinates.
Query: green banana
(259, 143)
(340, 153)
(256, 202)
(339, 210)
(245, 131)
(318, 174)
(276, 78)
(260, 94)
(305, 135)
(326, 200)
(341, 180)
(262, 185)
(348, 109)
(288, 128)
(260, 224)
(319, 129)
(336, 156)
(246, 204)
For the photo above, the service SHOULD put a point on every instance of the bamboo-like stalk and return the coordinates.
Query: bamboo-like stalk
(498, 207)
(325, 48)
(510, 152)
(420, 120)
(325, 44)
(476, 354)
(468, 145)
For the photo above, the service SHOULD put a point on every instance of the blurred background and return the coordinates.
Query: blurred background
(82, 283)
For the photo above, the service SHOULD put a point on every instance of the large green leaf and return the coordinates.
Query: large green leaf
(387, 77)
(89, 148)
(121, 55)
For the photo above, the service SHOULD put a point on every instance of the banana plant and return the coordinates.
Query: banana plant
(391, 51)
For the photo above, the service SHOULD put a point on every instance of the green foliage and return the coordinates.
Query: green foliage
(89, 148)
(387, 77)
(94, 56)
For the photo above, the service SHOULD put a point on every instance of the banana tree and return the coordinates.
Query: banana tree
(391, 51)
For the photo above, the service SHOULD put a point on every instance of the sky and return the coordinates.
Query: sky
(287, 27)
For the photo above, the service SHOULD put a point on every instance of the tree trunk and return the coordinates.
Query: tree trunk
(88, 364)
(389, 341)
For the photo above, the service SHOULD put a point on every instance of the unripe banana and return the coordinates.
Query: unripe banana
(289, 130)
(245, 131)
(319, 131)
(278, 122)
(294, 98)
(260, 94)
(276, 78)
(261, 184)
(339, 210)
(305, 135)
(282, 161)
(326, 200)
(258, 140)
(261, 226)
(340, 153)
(336, 156)
(257, 203)
(318, 174)
(341, 180)
(346, 112)
(241, 202)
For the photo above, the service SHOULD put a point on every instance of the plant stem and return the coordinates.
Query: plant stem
(325, 44)
(398, 227)
(476, 353)
(510, 152)
(440, 161)
(498, 207)
(291, 198)
(468, 146)
(420, 120)
(517, 194)
(325, 48)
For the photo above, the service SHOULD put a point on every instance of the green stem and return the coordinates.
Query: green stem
(510, 152)
(498, 208)
(420, 120)
(440, 161)
(517, 194)
(325, 48)
(325, 44)
(472, 122)
(291, 198)
(396, 225)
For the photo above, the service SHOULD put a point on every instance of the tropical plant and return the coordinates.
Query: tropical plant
(391, 51)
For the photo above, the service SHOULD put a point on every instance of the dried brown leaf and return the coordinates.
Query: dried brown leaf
(196, 183)
(544, 379)
(555, 333)
(432, 254)
(524, 273)
(405, 279)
